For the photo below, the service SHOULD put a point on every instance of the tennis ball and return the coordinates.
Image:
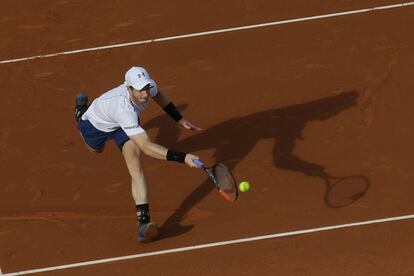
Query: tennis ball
(244, 186)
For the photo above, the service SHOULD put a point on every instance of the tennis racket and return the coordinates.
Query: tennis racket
(343, 191)
(222, 179)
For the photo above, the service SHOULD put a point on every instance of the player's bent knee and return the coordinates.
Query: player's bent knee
(132, 157)
(128, 149)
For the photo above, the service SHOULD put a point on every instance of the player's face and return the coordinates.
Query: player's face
(141, 96)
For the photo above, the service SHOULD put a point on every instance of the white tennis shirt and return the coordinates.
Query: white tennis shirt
(114, 109)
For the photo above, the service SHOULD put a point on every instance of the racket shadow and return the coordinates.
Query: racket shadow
(234, 139)
(344, 191)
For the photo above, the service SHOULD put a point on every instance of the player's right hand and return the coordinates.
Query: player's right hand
(189, 160)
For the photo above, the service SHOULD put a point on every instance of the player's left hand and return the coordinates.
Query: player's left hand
(188, 125)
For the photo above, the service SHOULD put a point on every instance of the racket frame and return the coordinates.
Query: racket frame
(210, 174)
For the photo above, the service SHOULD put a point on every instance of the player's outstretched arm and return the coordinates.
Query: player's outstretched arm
(159, 152)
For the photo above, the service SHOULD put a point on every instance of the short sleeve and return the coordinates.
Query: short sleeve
(128, 121)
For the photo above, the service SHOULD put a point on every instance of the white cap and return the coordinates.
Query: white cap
(137, 77)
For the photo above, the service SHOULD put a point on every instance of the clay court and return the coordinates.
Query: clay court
(278, 104)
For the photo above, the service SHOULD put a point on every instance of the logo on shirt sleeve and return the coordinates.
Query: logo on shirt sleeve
(131, 127)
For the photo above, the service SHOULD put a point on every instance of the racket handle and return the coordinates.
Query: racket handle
(198, 163)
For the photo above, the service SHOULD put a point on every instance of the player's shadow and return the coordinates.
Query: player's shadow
(233, 139)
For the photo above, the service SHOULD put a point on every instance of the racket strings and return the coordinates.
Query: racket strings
(344, 191)
(225, 182)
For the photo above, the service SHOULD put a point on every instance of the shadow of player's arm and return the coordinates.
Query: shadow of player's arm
(283, 158)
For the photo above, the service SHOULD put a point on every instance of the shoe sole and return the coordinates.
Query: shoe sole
(151, 233)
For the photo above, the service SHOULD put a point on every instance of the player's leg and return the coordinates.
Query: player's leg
(132, 155)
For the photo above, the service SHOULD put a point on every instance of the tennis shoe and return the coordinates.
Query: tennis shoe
(147, 232)
(81, 101)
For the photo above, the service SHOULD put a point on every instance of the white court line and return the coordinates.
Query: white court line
(210, 32)
(214, 244)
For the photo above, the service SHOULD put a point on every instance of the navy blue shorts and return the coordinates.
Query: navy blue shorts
(96, 138)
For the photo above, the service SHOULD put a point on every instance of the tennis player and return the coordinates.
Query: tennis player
(115, 115)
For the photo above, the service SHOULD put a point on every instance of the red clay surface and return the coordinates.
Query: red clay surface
(277, 105)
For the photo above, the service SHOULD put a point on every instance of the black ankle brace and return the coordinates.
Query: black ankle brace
(143, 213)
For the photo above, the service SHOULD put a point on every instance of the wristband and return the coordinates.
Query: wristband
(177, 156)
(171, 110)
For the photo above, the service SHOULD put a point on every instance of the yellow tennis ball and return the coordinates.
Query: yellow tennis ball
(244, 186)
